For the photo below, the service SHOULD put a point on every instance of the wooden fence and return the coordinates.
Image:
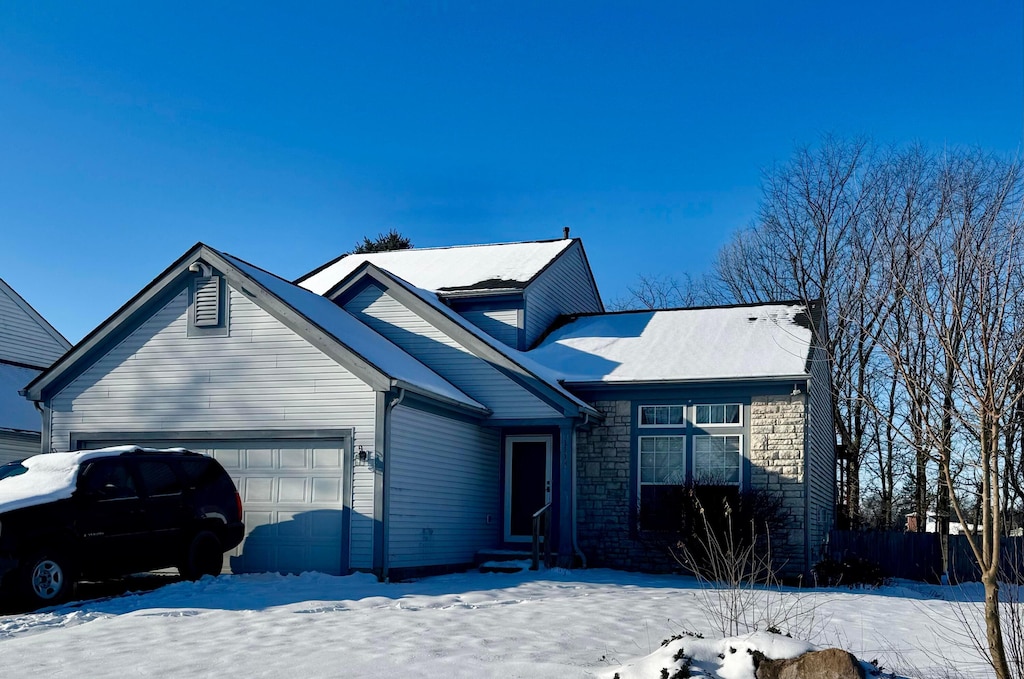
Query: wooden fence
(918, 556)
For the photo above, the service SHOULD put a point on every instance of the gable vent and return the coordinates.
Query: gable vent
(206, 311)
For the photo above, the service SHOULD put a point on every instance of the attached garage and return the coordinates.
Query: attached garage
(286, 389)
(294, 497)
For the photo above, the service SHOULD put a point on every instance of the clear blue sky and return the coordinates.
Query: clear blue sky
(131, 130)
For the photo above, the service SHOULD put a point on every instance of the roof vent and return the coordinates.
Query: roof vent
(565, 232)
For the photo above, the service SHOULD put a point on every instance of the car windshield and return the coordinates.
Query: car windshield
(12, 469)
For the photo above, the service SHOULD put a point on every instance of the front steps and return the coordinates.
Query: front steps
(507, 560)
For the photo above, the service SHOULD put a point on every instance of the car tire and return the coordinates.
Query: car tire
(47, 578)
(203, 556)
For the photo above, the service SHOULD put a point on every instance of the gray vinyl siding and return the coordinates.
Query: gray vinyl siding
(566, 287)
(502, 325)
(18, 446)
(475, 376)
(821, 440)
(262, 376)
(23, 339)
(443, 486)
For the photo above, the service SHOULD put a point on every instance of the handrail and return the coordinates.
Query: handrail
(542, 514)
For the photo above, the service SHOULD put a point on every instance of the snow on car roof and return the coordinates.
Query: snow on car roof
(461, 267)
(737, 342)
(52, 476)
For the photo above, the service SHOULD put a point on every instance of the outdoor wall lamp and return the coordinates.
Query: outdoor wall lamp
(199, 266)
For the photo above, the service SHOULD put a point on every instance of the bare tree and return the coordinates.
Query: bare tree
(665, 292)
(811, 241)
(960, 281)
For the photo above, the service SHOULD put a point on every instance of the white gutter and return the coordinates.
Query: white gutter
(589, 384)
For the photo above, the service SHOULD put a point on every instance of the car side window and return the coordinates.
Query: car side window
(195, 469)
(108, 480)
(159, 478)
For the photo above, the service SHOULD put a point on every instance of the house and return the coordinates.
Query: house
(28, 345)
(932, 525)
(403, 412)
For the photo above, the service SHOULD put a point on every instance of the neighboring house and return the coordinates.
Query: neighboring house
(381, 413)
(28, 345)
(932, 525)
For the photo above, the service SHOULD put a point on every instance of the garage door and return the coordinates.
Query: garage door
(292, 499)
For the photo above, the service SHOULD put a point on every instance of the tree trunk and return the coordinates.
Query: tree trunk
(993, 629)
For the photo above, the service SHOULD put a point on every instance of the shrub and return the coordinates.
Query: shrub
(850, 571)
(722, 515)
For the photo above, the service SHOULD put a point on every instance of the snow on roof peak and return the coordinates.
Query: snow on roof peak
(458, 267)
(736, 342)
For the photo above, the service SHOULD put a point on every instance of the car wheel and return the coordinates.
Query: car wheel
(204, 556)
(47, 578)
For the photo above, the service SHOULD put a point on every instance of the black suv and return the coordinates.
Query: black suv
(106, 513)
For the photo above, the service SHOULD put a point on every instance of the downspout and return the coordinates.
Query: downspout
(575, 544)
(387, 480)
(808, 481)
(45, 445)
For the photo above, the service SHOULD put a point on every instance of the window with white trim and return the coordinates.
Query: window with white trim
(662, 466)
(717, 459)
(662, 416)
(727, 414)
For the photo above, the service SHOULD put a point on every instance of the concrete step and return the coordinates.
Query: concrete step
(506, 560)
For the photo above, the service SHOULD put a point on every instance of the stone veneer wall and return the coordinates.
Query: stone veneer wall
(603, 457)
(602, 504)
(776, 450)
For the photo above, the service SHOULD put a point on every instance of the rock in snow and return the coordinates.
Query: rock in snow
(831, 663)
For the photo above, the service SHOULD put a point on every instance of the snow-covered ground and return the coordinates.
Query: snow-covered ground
(559, 624)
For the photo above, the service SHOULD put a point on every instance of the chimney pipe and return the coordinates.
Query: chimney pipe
(565, 232)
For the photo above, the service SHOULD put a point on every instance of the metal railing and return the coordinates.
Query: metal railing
(542, 516)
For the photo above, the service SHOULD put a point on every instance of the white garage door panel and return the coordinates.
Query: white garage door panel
(292, 494)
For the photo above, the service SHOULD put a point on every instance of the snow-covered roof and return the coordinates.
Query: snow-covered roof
(16, 412)
(501, 266)
(738, 342)
(346, 329)
(50, 477)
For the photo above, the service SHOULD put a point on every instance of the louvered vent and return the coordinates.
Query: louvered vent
(207, 307)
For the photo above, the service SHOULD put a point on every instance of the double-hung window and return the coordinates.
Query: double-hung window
(661, 465)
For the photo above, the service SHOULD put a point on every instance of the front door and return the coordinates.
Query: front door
(527, 483)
